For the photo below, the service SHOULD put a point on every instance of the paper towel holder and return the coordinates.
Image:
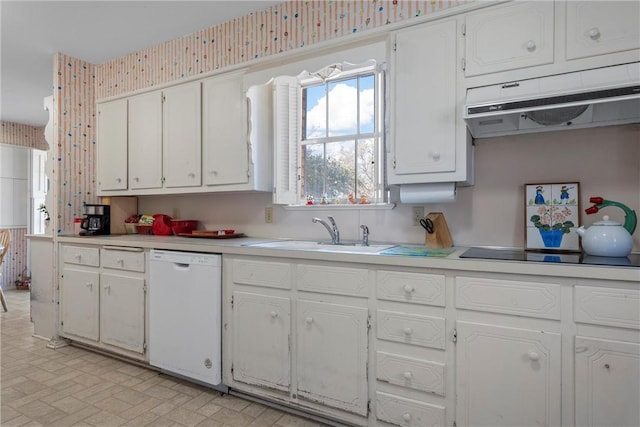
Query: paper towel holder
(440, 237)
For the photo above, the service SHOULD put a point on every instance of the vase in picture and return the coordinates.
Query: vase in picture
(551, 238)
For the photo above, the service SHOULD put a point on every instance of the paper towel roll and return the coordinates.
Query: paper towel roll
(440, 192)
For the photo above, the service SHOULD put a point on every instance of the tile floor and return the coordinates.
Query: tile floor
(74, 387)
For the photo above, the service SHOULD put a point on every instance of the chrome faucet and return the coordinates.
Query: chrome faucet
(365, 235)
(332, 229)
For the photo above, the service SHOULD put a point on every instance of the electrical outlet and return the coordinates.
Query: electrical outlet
(417, 213)
(268, 214)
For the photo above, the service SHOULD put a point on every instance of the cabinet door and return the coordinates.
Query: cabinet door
(145, 141)
(332, 355)
(424, 105)
(507, 376)
(80, 296)
(596, 28)
(182, 136)
(509, 37)
(224, 141)
(261, 334)
(122, 311)
(112, 145)
(607, 382)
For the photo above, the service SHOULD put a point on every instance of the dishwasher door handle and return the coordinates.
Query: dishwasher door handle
(181, 266)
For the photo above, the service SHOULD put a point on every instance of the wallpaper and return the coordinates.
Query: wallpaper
(15, 261)
(74, 145)
(281, 28)
(23, 135)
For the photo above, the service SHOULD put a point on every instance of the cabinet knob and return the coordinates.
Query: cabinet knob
(136, 179)
(274, 314)
(533, 356)
(309, 320)
(89, 285)
(107, 288)
(594, 33)
(408, 289)
(192, 175)
(118, 180)
(407, 375)
(435, 156)
(408, 331)
(214, 173)
(78, 257)
(120, 261)
(407, 417)
(531, 45)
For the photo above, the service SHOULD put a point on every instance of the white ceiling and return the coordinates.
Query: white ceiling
(31, 32)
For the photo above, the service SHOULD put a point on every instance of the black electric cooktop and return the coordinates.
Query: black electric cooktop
(632, 260)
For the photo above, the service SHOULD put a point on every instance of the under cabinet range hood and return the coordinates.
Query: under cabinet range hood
(598, 97)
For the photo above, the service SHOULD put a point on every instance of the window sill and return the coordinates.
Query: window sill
(329, 206)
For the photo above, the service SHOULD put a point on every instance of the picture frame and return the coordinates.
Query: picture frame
(552, 215)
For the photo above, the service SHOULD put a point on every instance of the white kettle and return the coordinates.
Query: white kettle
(606, 238)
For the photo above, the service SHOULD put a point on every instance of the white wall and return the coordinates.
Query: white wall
(606, 162)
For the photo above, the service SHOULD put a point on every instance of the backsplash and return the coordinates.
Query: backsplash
(604, 160)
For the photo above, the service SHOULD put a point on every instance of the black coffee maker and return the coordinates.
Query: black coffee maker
(96, 220)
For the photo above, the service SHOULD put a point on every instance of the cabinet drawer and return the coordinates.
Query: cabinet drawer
(407, 412)
(417, 288)
(531, 299)
(608, 307)
(333, 280)
(262, 273)
(81, 255)
(412, 373)
(424, 331)
(131, 260)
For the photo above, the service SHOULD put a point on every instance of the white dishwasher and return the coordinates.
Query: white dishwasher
(185, 314)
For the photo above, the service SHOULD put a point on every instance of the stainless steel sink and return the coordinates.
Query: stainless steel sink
(310, 245)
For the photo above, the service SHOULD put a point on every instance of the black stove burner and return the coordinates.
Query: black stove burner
(632, 260)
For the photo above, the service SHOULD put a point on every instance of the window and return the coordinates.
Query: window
(328, 131)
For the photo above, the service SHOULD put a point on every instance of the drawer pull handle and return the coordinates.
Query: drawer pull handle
(407, 417)
(408, 331)
(407, 375)
(531, 45)
(534, 357)
(309, 320)
(78, 257)
(120, 261)
(274, 314)
(89, 285)
(594, 33)
(108, 289)
(408, 289)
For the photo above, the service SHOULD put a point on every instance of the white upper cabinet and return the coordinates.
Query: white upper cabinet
(145, 141)
(224, 139)
(112, 145)
(181, 132)
(599, 27)
(427, 145)
(509, 37)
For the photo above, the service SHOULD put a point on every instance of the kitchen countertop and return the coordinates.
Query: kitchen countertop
(237, 246)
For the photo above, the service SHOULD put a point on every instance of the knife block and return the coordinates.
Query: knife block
(441, 237)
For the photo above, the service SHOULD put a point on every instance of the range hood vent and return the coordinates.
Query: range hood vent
(598, 97)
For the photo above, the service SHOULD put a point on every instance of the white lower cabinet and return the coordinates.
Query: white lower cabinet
(80, 302)
(103, 298)
(377, 345)
(607, 355)
(332, 355)
(607, 382)
(507, 376)
(261, 334)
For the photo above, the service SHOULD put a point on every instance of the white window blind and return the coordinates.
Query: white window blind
(286, 98)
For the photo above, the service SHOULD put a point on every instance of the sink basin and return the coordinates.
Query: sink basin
(310, 245)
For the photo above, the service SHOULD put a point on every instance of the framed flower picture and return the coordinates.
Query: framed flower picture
(552, 214)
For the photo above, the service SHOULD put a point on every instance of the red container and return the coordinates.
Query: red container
(179, 226)
(162, 225)
(144, 229)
